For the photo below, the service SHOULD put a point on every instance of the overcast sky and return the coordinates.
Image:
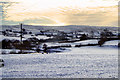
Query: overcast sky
(60, 12)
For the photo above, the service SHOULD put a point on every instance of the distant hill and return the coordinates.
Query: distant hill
(68, 28)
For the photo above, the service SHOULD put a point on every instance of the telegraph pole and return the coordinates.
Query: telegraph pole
(21, 36)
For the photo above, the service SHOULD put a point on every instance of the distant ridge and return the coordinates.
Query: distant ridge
(62, 26)
(67, 28)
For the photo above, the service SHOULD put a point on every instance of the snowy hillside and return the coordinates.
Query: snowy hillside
(70, 54)
(84, 62)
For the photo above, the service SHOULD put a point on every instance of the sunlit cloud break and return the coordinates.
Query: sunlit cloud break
(62, 12)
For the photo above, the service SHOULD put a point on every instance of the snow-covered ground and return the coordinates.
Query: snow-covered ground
(10, 38)
(38, 37)
(25, 37)
(92, 41)
(8, 51)
(83, 62)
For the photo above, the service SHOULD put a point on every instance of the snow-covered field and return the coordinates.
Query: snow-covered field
(92, 41)
(25, 37)
(83, 62)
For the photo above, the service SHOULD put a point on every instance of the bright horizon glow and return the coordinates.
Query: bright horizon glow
(62, 12)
